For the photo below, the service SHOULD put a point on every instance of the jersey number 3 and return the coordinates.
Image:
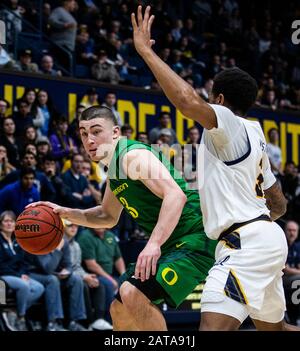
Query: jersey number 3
(259, 181)
(132, 211)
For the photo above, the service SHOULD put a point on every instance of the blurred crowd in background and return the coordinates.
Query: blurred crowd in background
(197, 39)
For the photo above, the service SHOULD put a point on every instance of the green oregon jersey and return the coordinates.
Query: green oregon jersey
(143, 205)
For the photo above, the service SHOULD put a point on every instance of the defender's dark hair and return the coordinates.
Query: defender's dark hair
(98, 112)
(238, 87)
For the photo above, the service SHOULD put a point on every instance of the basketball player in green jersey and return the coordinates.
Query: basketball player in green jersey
(140, 180)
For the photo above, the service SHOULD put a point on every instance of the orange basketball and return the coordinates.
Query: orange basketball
(39, 230)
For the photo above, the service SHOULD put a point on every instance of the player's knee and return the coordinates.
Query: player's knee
(129, 295)
(116, 309)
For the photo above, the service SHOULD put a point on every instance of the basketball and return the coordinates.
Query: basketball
(39, 230)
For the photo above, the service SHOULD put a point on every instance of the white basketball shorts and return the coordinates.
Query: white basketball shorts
(246, 279)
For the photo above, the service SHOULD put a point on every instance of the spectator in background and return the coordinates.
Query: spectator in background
(101, 254)
(63, 25)
(29, 137)
(73, 129)
(18, 195)
(164, 121)
(290, 183)
(164, 139)
(4, 106)
(110, 101)
(29, 160)
(6, 61)
(85, 49)
(90, 99)
(142, 137)
(25, 64)
(292, 269)
(192, 146)
(93, 185)
(78, 194)
(63, 146)
(269, 100)
(54, 271)
(30, 148)
(43, 148)
(127, 131)
(31, 97)
(47, 109)
(23, 117)
(274, 151)
(14, 271)
(177, 30)
(5, 166)
(8, 139)
(205, 91)
(104, 71)
(47, 66)
(94, 291)
(49, 168)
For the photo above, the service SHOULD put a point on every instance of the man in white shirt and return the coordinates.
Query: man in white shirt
(274, 152)
(240, 197)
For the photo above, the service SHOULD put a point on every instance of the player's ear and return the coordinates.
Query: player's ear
(220, 99)
(116, 132)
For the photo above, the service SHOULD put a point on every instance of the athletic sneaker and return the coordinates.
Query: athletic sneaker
(54, 327)
(20, 324)
(10, 318)
(101, 324)
(74, 326)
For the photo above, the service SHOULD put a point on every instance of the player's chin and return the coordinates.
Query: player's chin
(95, 158)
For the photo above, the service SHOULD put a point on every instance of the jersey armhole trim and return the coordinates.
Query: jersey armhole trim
(242, 158)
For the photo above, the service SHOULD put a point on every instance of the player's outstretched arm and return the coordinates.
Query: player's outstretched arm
(179, 92)
(104, 216)
(144, 166)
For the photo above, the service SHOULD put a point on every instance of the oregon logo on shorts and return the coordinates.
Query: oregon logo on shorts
(169, 276)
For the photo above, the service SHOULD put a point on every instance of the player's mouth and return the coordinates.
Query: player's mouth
(93, 151)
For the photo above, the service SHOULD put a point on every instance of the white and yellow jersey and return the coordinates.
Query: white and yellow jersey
(233, 172)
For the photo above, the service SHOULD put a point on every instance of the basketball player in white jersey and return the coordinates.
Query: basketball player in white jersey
(240, 198)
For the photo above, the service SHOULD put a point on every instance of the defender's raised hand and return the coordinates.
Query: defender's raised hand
(142, 30)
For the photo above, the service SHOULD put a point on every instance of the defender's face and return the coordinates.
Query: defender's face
(98, 136)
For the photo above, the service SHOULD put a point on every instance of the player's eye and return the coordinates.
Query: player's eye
(84, 134)
(96, 132)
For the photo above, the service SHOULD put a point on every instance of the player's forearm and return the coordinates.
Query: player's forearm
(179, 92)
(92, 217)
(277, 210)
(170, 213)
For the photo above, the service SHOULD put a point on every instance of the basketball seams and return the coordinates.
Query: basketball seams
(45, 208)
(51, 241)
